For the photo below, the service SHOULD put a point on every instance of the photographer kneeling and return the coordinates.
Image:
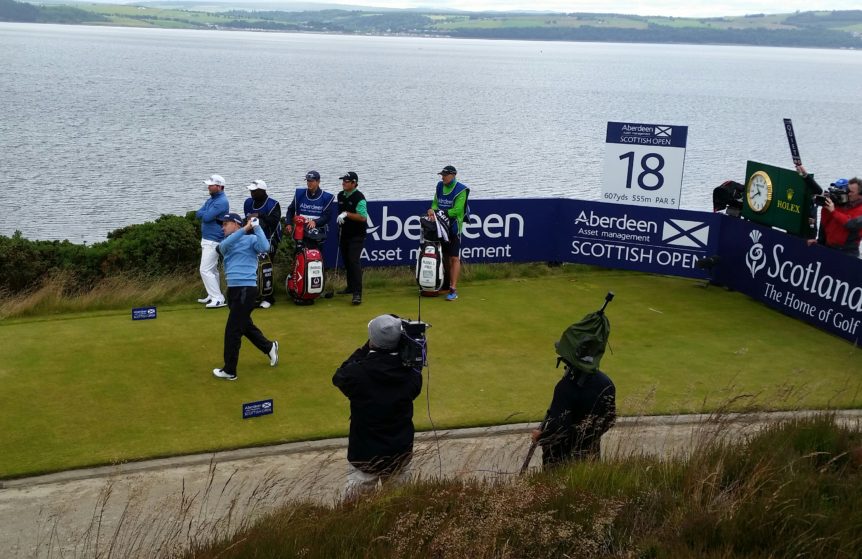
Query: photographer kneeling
(381, 389)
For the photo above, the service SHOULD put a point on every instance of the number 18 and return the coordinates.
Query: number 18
(646, 170)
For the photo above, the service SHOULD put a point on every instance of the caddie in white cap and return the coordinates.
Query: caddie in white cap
(268, 211)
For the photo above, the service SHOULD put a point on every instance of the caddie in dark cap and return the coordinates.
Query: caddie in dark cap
(381, 390)
(315, 205)
(450, 199)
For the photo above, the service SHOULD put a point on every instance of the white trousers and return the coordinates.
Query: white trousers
(360, 483)
(209, 270)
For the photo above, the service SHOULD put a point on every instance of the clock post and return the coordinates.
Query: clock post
(776, 197)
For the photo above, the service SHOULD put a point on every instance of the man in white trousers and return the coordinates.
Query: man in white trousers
(211, 235)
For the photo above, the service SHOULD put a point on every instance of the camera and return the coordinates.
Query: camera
(727, 197)
(412, 347)
(254, 222)
(839, 197)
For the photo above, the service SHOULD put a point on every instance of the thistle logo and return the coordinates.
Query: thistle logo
(756, 258)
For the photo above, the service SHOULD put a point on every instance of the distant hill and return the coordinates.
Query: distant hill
(823, 29)
(20, 11)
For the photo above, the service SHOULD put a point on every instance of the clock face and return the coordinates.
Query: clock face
(758, 192)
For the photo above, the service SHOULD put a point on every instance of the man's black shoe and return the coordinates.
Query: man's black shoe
(357, 299)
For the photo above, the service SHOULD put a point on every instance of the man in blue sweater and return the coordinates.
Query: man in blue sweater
(240, 248)
(211, 235)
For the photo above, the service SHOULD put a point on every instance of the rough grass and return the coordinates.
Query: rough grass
(791, 491)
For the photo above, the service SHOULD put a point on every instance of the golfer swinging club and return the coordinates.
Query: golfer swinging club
(240, 248)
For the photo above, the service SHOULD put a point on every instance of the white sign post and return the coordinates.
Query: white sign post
(644, 164)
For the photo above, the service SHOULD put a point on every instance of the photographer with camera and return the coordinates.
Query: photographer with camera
(381, 386)
(840, 216)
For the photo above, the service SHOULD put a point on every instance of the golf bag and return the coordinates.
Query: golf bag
(429, 263)
(264, 276)
(305, 282)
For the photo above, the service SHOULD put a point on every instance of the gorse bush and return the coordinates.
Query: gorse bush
(169, 245)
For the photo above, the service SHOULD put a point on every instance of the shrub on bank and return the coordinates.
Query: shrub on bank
(166, 246)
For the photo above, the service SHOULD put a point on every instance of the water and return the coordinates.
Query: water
(103, 127)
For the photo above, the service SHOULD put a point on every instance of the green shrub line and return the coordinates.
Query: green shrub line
(792, 490)
(168, 245)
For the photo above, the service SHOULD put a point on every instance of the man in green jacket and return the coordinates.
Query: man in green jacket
(451, 197)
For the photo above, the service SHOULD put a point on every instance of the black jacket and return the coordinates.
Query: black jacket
(583, 409)
(351, 229)
(381, 392)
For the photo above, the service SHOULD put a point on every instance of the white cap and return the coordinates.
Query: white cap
(257, 184)
(216, 180)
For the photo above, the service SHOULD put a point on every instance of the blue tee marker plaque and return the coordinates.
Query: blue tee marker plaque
(255, 409)
(144, 313)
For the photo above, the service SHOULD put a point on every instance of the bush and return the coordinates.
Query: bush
(166, 246)
(169, 244)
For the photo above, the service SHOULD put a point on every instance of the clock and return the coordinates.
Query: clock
(758, 192)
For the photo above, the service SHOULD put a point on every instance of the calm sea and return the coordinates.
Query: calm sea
(103, 127)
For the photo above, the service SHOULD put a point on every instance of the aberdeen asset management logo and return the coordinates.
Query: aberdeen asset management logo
(756, 258)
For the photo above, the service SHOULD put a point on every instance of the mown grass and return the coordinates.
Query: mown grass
(93, 387)
(791, 491)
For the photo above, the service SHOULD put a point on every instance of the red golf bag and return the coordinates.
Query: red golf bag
(305, 282)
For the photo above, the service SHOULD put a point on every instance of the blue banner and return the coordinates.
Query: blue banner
(550, 230)
(656, 240)
(815, 284)
(812, 283)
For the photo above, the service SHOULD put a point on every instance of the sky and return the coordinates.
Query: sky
(677, 8)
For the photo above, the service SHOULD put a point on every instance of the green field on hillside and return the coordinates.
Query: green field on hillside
(97, 388)
(824, 29)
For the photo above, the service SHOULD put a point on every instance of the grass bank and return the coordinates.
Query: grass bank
(791, 491)
(85, 388)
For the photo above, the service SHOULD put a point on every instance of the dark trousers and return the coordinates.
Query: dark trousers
(557, 455)
(351, 251)
(241, 301)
